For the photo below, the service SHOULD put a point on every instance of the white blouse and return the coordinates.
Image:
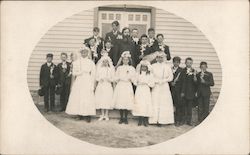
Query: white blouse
(162, 73)
(125, 73)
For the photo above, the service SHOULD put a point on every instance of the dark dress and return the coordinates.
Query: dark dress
(48, 84)
(203, 93)
(176, 95)
(114, 40)
(65, 83)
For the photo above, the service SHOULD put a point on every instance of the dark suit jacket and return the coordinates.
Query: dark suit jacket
(128, 45)
(115, 49)
(188, 85)
(156, 47)
(178, 84)
(99, 47)
(45, 79)
(63, 74)
(203, 89)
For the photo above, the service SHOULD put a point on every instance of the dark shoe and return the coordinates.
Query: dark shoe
(145, 122)
(88, 119)
(121, 121)
(126, 121)
(46, 110)
(140, 121)
(159, 125)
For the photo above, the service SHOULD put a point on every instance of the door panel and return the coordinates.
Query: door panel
(139, 20)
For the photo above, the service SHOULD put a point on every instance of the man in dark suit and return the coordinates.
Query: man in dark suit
(151, 36)
(64, 80)
(175, 87)
(188, 90)
(205, 81)
(160, 46)
(95, 43)
(127, 44)
(48, 82)
(114, 36)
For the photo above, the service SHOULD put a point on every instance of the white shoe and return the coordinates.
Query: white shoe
(101, 118)
(106, 118)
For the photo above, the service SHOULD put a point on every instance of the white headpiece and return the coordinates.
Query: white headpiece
(105, 58)
(160, 54)
(83, 48)
(126, 54)
(144, 63)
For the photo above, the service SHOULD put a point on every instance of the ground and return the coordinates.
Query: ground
(110, 133)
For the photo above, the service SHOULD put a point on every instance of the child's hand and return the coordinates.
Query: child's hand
(52, 76)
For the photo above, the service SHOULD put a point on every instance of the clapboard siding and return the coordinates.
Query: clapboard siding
(66, 36)
(185, 40)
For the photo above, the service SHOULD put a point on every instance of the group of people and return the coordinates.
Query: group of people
(130, 74)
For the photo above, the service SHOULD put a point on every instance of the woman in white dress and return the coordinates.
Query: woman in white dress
(81, 99)
(104, 90)
(163, 110)
(143, 98)
(124, 94)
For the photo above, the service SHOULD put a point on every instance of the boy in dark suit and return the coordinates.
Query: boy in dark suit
(205, 81)
(96, 44)
(188, 90)
(175, 87)
(144, 48)
(48, 82)
(109, 50)
(151, 36)
(160, 46)
(64, 80)
(114, 36)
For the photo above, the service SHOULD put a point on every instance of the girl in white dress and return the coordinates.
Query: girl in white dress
(81, 99)
(163, 110)
(124, 94)
(143, 103)
(104, 90)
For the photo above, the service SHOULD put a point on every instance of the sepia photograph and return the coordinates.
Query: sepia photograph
(124, 76)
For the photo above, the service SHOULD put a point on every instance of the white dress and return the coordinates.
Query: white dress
(163, 110)
(104, 89)
(124, 94)
(143, 97)
(81, 99)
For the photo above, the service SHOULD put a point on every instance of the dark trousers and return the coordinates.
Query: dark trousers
(188, 104)
(179, 108)
(49, 97)
(64, 96)
(203, 107)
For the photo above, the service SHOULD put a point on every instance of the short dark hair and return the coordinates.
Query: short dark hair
(125, 28)
(203, 63)
(176, 59)
(49, 55)
(188, 58)
(96, 29)
(115, 23)
(160, 34)
(144, 36)
(108, 41)
(151, 29)
(63, 53)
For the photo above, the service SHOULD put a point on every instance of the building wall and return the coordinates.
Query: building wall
(66, 36)
(183, 38)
